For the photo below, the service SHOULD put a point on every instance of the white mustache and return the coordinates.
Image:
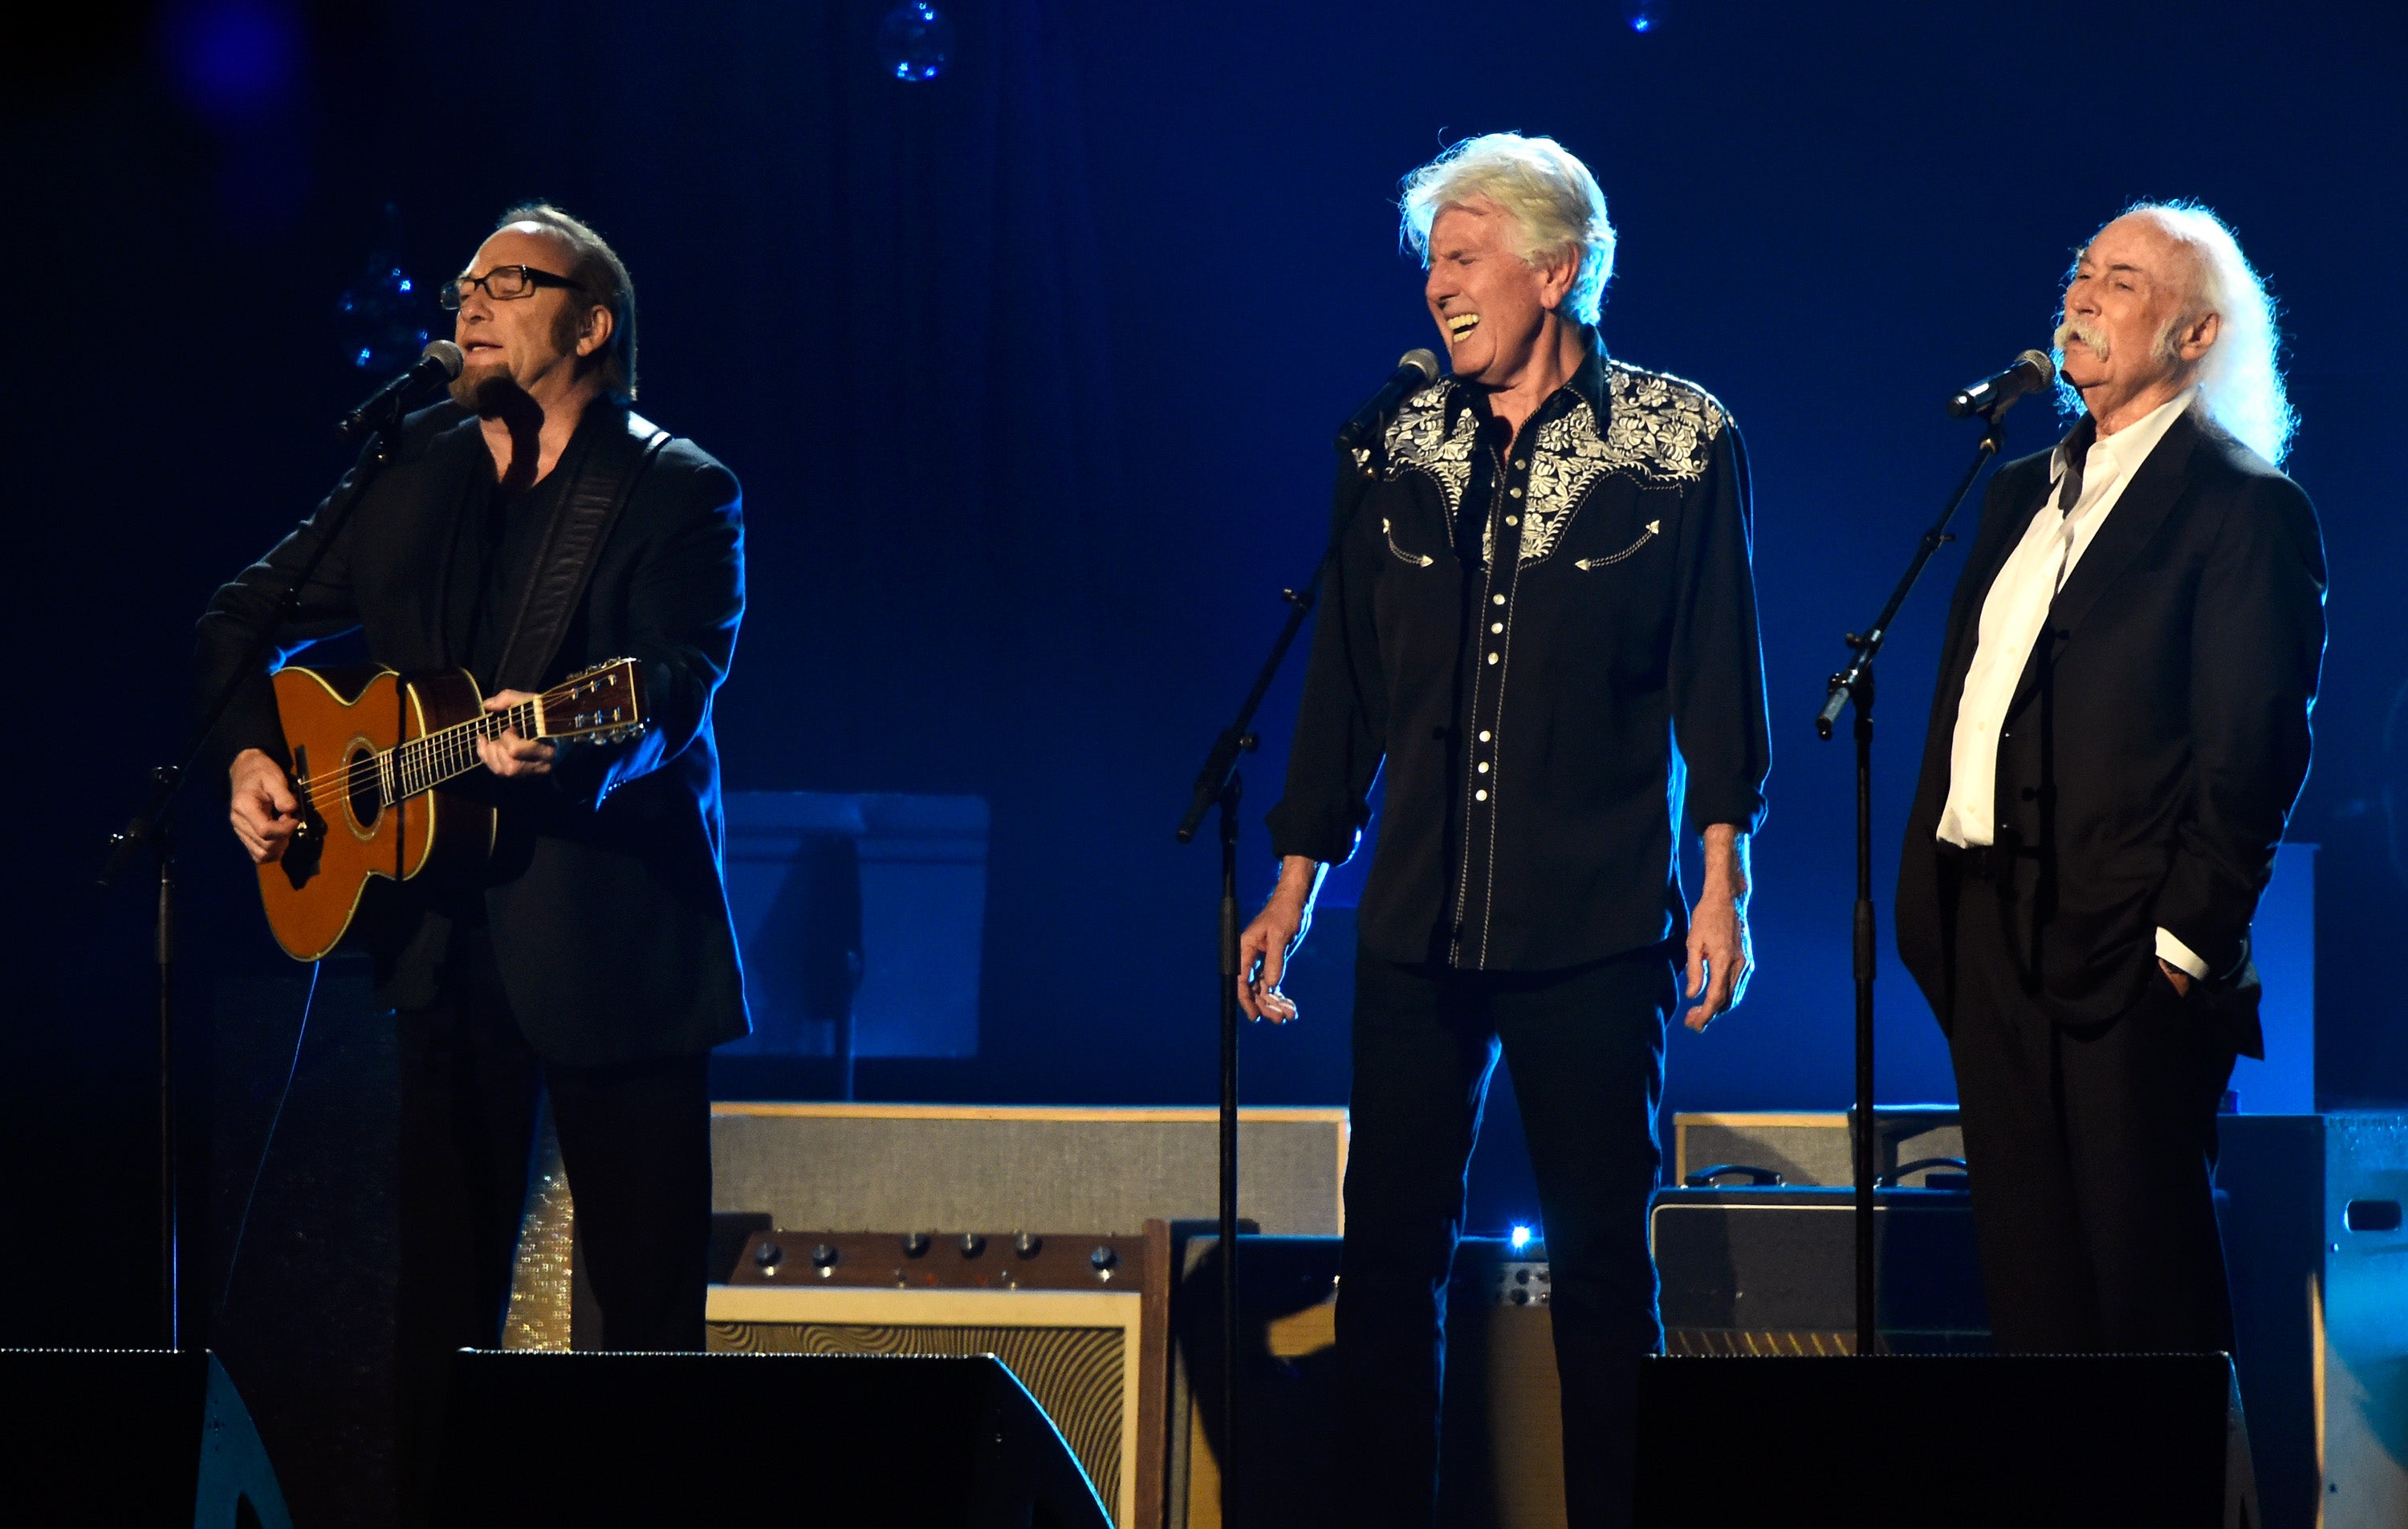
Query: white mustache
(2088, 333)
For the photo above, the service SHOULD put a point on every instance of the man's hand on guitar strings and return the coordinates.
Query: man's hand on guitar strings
(263, 809)
(511, 755)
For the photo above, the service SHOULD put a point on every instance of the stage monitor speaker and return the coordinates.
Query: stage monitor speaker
(132, 1438)
(753, 1439)
(2071, 1441)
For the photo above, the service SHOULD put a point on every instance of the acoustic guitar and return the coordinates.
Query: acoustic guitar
(371, 751)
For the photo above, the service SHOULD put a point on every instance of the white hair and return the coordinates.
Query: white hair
(2240, 380)
(1547, 193)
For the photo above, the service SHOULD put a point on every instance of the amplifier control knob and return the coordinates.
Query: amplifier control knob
(916, 1243)
(766, 1257)
(972, 1245)
(1103, 1257)
(1027, 1244)
(824, 1258)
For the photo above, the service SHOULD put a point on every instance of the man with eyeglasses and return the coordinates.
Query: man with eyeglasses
(530, 526)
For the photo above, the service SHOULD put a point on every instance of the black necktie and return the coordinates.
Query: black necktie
(2076, 447)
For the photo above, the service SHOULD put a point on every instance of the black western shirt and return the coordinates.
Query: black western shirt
(1550, 643)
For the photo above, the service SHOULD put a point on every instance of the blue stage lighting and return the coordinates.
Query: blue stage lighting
(1520, 1238)
(1641, 14)
(381, 318)
(916, 41)
(233, 60)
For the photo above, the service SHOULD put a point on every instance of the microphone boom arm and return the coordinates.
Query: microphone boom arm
(1866, 644)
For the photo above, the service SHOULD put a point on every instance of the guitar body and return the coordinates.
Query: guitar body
(336, 722)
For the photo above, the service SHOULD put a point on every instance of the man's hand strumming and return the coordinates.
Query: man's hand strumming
(265, 811)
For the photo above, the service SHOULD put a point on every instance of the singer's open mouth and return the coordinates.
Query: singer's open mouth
(1460, 326)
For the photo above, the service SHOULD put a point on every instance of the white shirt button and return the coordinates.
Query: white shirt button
(1480, 796)
(1496, 626)
(1497, 599)
(1484, 766)
(1492, 658)
(1484, 737)
(1512, 519)
(1516, 493)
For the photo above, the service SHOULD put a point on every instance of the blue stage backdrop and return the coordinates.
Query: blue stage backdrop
(1029, 371)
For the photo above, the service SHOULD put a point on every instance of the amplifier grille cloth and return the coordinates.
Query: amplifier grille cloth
(1733, 1341)
(1806, 1341)
(1073, 1372)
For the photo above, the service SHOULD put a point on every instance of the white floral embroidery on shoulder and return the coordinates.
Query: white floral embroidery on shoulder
(1659, 430)
(1418, 441)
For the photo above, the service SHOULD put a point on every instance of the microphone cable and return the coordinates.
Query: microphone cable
(259, 1170)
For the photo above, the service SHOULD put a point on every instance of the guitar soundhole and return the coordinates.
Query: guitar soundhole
(367, 804)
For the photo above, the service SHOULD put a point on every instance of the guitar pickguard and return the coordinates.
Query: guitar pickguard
(303, 857)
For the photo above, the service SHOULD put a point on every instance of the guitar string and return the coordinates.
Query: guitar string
(418, 765)
(412, 759)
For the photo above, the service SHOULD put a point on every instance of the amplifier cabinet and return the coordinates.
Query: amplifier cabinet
(872, 1165)
(864, 1167)
(1772, 1271)
(1083, 1322)
(1811, 1146)
(2312, 1209)
(2313, 1235)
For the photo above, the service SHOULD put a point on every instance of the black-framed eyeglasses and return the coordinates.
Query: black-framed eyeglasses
(502, 283)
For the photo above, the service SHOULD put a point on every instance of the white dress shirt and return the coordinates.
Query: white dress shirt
(2013, 613)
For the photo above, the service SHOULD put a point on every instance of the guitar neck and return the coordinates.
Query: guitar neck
(420, 765)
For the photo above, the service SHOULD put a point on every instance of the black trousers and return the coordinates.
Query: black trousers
(636, 1143)
(1587, 1045)
(2091, 1151)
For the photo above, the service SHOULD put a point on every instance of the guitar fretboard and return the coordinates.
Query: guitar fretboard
(420, 765)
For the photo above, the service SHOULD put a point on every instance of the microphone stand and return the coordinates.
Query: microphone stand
(1853, 685)
(1220, 781)
(148, 829)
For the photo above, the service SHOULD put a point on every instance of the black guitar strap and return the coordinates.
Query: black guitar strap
(591, 508)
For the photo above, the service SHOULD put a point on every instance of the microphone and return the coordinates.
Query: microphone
(1994, 395)
(440, 363)
(1416, 370)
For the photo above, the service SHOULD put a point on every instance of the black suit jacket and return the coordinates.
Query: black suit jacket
(2156, 739)
(604, 902)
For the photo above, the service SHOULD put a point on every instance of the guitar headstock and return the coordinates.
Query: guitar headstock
(601, 705)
